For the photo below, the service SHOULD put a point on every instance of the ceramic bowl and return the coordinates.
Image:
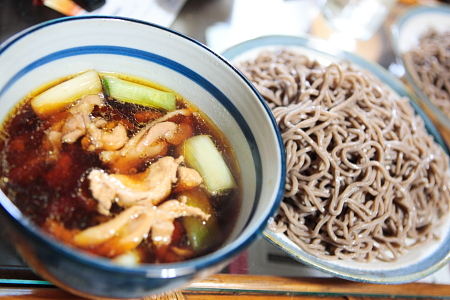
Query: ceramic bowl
(406, 31)
(416, 263)
(67, 46)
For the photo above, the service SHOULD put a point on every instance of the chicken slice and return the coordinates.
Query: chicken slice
(128, 237)
(75, 126)
(149, 142)
(106, 140)
(166, 213)
(149, 187)
(188, 178)
(126, 231)
(145, 144)
(53, 144)
(80, 123)
(170, 115)
(100, 233)
(157, 219)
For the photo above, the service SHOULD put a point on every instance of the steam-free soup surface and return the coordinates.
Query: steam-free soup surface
(120, 179)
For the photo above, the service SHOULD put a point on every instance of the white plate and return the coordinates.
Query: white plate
(405, 34)
(415, 21)
(415, 264)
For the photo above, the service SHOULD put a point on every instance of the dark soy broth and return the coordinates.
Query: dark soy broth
(55, 193)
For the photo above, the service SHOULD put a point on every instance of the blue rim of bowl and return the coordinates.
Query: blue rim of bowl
(396, 28)
(168, 270)
(323, 47)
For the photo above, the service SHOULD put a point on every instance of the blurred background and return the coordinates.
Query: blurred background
(216, 23)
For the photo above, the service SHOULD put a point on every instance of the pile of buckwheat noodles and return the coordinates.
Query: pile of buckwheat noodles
(429, 65)
(364, 178)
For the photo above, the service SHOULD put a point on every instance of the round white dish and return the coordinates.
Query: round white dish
(405, 33)
(415, 21)
(415, 264)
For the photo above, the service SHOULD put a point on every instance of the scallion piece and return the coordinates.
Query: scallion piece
(201, 154)
(59, 96)
(202, 235)
(132, 92)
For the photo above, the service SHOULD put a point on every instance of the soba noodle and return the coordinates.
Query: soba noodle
(429, 65)
(364, 178)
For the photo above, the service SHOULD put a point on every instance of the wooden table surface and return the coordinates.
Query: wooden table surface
(233, 286)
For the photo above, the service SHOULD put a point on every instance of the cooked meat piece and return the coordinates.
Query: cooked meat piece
(128, 237)
(81, 123)
(170, 115)
(54, 139)
(149, 142)
(98, 234)
(87, 104)
(75, 127)
(188, 178)
(128, 229)
(166, 213)
(149, 187)
(105, 140)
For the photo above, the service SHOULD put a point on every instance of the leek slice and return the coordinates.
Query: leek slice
(202, 235)
(132, 92)
(201, 154)
(59, 96)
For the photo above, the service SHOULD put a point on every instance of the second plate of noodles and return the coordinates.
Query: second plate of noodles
(367, 189)
(421, 41)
